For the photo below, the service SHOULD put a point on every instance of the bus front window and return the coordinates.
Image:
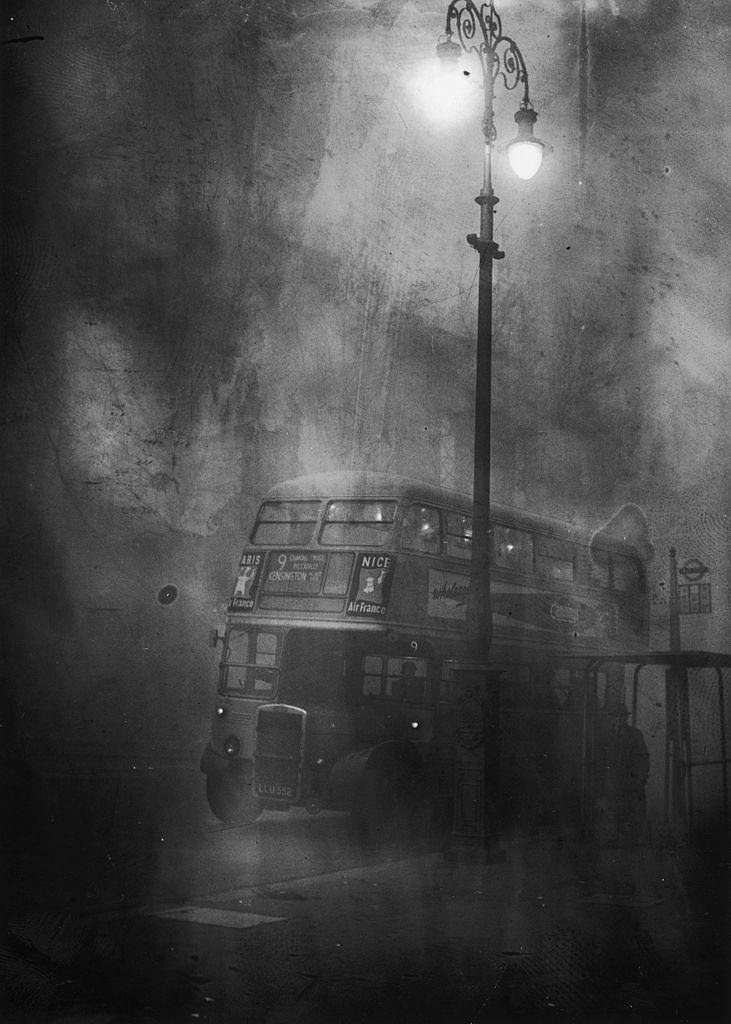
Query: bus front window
(358, 522)
(251, 663)
(285, 522)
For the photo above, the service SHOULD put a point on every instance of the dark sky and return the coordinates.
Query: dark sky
(234, 250)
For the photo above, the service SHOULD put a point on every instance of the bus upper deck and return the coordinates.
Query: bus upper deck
(366, 550)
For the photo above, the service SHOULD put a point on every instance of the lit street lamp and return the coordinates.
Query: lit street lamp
(478, 30)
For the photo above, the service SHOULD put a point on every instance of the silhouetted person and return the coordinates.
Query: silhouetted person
(622, 769)
(407, 685)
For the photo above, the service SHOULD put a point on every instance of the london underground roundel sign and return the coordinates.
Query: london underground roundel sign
(693, 570)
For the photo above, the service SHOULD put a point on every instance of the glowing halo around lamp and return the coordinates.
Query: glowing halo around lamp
(447, 94)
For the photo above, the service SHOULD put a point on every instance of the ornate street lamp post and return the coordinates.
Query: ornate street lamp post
(478, 30)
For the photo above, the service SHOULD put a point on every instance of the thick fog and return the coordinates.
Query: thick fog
(235, 251)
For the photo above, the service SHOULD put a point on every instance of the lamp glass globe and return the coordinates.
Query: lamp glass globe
(525, 156)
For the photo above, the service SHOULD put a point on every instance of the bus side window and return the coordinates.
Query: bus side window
(561, 683)
(459, 535)
(448, 682)
(513, 549)
(372, 676)
(420, 529)
(406, 679)
(554, 558)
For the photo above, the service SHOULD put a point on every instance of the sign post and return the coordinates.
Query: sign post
(678, 795)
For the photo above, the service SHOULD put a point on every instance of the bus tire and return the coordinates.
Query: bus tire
(230, 798)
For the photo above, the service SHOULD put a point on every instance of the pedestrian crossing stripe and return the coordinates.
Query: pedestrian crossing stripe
(217, 918)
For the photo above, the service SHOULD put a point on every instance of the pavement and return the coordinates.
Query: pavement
(556, 930)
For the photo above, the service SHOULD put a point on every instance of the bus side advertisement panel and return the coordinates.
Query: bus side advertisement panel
(371, 587)
(540, 612)
(244, 594)
(562, 613)
(447, 596)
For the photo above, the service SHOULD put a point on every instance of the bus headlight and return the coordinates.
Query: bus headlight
(232, 746)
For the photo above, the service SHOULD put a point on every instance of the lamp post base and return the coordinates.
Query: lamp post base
(476, 813)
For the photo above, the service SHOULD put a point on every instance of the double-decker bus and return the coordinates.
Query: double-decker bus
(345, 634)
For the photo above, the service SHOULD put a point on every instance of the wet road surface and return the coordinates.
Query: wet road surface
(146, 909)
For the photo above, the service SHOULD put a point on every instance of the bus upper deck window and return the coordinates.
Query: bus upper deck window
(285, 522)
(513, 549)
(420, 529)
(554, 558)
(365, 523)
(459, 535)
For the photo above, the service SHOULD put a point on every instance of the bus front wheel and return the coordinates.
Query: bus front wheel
(230, 798)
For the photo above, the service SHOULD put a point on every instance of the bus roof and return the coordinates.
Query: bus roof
(357, 484)
(354, 484)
